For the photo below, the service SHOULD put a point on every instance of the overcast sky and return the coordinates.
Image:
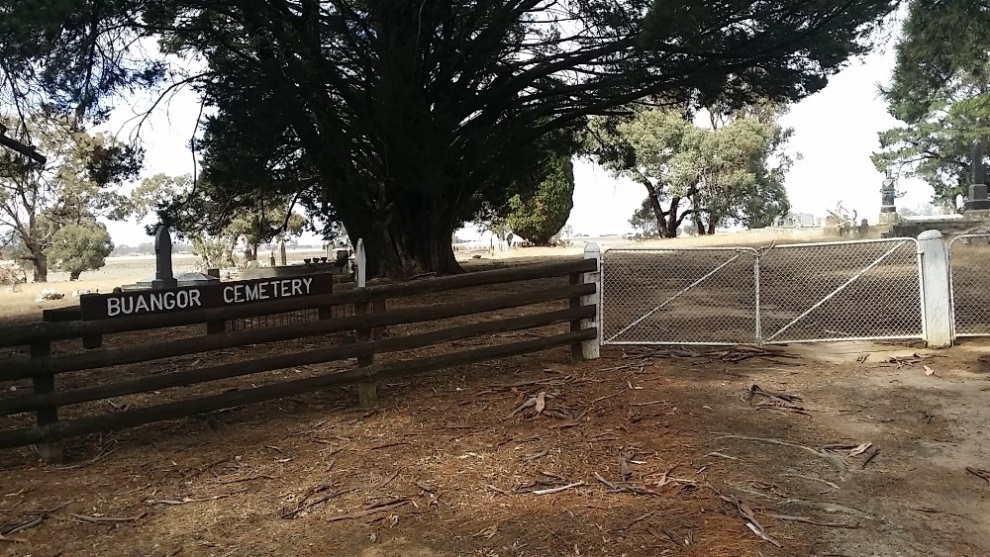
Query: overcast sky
(835, 131)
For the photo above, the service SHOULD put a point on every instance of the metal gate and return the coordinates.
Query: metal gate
(968, 258)
(679, 296)
(855, 290)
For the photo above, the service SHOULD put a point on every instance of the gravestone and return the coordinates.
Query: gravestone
(888, 193)
(163, 260)
(978, 200)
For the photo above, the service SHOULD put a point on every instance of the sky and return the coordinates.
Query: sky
(835, 131)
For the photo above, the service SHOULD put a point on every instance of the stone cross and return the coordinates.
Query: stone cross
(978, 200)
(163, 260)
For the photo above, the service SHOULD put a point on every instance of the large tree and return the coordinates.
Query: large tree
(77, 184)
(729, 171)
(940, 90)
(403, 119)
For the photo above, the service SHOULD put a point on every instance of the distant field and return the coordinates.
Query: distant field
(130, 269)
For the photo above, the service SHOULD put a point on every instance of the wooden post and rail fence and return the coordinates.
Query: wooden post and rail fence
(43, 367)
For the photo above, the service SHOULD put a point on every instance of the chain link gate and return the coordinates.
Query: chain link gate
(857, 290)
(679, 296)
(968, 257)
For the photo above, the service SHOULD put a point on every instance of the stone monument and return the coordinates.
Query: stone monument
(163, 260)
(888, 193)
(978, 200)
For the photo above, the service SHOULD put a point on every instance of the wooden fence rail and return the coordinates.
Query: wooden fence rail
(42, 368)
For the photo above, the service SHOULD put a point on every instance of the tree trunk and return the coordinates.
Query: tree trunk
(74, 275)
(40, 265)
(661, 216)
(672, 219)
(398, 246)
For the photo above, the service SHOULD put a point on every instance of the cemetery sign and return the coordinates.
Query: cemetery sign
(184, 298)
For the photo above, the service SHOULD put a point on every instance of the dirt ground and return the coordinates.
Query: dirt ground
(441, 469)
(640, 453)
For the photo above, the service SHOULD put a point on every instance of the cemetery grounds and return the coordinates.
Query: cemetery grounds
(644, 452)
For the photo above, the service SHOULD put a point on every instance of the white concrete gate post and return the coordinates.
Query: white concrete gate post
(591, 349)
(935, 289)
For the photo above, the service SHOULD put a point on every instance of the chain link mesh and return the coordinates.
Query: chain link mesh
(679, 296)
(968, 257)
(806, 292)
(840, 290)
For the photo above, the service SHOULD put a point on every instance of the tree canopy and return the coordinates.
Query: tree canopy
(78, 183)
(80, 247)
(403, 119)
(213, 238)
(730, 172)
(940, 90)
(539, 216)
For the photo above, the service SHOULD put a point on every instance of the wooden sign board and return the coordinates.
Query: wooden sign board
(186, 298)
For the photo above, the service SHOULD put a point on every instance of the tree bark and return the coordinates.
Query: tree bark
(40, 265)
(398, 245)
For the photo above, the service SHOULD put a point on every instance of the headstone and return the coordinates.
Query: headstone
(978, 200)
(888, 193)
(163, 260)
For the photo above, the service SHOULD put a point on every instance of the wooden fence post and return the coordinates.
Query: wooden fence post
(50, 451)
(589, 349)
(367, 391)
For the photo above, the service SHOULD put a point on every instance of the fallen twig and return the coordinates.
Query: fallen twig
(383, 507)
(606, 482)
(387, 445)
(720, 455)
(24, 526)
(746, 513)
(651, 403)
(187, 500)
(302, 507)
(984, 474)
(806, 520)
(535, 455)
(835, 461)
(557, 489)
(112, 519)
(389, 479)
(640, 518)
(814, 479)
(873, 452)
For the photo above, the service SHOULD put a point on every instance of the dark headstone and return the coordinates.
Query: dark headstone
(163, 260)
(978, 200)
(888, 193)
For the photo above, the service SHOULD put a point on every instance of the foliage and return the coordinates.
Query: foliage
(643, 221)
(80, 247)
(403, 119)
(732, 172)
(199, 218)
(940, 90)
(540, 216)
(78, 183)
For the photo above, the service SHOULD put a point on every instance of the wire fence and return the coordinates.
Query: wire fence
(282, 319)
(679, 296)
(968, 257)
(869, 289)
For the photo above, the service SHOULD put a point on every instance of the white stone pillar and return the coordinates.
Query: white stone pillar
(936, 302)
